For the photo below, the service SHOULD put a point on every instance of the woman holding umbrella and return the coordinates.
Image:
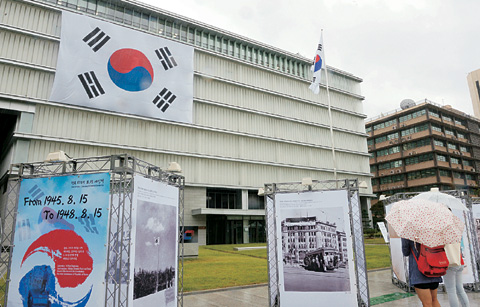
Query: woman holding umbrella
(425, 287)
(428, 223)
(453, 279)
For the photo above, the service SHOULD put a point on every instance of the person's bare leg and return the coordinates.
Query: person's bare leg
(435, 302)
(425, 297)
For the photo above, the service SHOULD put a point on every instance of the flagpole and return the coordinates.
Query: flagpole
(330, 118)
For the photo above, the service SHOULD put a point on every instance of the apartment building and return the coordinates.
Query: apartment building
(423, 145)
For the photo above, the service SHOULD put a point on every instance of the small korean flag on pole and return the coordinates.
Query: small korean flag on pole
(318, 64)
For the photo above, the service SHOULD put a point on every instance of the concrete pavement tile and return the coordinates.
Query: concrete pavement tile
(380, 283)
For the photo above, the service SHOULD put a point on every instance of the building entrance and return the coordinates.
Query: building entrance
(221, 230)
(256, 231)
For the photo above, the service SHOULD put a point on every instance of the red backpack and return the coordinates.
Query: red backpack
(432, 261)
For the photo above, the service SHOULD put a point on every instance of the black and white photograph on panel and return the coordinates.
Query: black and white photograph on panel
(314, 244)
(156, 243)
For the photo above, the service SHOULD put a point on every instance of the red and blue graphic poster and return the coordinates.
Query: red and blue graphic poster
(59, 255)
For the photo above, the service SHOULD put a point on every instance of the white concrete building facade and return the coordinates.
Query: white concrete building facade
(254, 119)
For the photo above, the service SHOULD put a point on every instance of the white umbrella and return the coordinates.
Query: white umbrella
(442, 198)
(425, 222)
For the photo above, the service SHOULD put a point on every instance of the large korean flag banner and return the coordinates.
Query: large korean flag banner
(155, 244)
(104, 66)
(59, 254)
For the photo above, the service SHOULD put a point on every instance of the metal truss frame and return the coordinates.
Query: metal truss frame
(463, 195)
(122, 169)
(271, 190)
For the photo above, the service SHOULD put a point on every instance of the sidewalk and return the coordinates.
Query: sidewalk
(380, 287)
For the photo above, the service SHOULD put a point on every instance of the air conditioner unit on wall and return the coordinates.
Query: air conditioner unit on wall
(381, 174)
(409, 137)
(409, 153)
(392, 171)
(399, 170)
(402, 125)
(394, 127)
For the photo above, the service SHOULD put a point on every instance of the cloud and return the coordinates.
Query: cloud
(401, 49)
(154, 225)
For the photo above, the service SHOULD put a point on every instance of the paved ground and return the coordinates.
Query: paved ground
(379, 283)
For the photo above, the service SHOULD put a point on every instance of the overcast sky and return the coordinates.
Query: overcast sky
(412, 49)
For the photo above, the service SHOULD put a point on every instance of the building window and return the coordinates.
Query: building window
(419, 159)
(442, 158)
(433, 114)
(380, 139)
(439, 143)
(460, 135)
(224, 199)
(454, 160)
(386, 124)
(446, 118)
(416, 144)
(392, 136)
(255, 201)
(368, 129)
(415, 129)
(436, 128)
(392, 179)
(412, 115)
(388, 151)
(391, 164)
(445, 173)
(422, 174)
(449, 132)
(452, 146)
(467, 163)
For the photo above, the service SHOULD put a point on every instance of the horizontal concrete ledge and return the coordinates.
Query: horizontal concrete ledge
(247, 248)
(225, 289)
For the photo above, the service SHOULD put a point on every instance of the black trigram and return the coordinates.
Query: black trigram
(96, 39)
(91, 85)
(166, 58)
(320, 47)
(36, 192)
(164, 99)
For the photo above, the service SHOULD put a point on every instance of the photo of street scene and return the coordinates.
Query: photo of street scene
(314, 249)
